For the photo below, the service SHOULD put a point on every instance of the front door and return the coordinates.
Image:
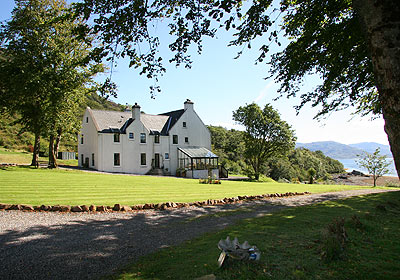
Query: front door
(156, 160)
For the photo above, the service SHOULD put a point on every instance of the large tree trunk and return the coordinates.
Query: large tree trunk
(52, 156)
(57, 144)
(36, 149)
(381, 19)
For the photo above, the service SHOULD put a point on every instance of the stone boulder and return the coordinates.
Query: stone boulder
(15, 207)
(85, 208)
(56, 208)
(101, 208)
(45, 207)
(27, 207)
(65, 208)
(125, 208)
(4, 206)
(76, 209)
(117, 207)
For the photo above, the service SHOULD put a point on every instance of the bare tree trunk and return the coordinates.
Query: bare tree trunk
(52, 158)
(381, 20)
(36, 149)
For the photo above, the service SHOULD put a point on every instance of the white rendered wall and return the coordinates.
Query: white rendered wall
(195, 130)
(90, 144)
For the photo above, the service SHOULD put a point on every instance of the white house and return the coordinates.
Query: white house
(171, 143)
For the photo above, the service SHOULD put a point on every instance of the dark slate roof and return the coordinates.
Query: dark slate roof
(117, 122)
(111, 121)
(198, 152)
(154, 123)
(173, 118)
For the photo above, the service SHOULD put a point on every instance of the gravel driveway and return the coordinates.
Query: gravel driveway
(86, 246)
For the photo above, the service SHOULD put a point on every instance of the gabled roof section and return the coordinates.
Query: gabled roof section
(117, 122)
(111, 121)
(154, 123)
(174, 116)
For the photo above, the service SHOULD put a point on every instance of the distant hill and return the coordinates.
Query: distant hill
(370, 147)
(11, 139)
(342, 151)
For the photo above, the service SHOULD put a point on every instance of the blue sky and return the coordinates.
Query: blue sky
(219, 84)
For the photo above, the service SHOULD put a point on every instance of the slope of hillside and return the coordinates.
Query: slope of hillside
(332, 149)
(342, 151)
(12, 138)
(370, 147)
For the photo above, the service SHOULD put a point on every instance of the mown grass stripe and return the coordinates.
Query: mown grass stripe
(43, 186)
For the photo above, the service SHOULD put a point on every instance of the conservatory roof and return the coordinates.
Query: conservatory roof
(198, 152)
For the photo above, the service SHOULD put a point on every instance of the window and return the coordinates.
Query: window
(82, 140)
(92, 159)
(174, 139)
(116, 159)
(157, 138)
(131, 135)
(166, 156)
(81, 159)
(143, 159)
(87, 119)
(186, 139)
(142, 137)
(184, 124)
(116, 137)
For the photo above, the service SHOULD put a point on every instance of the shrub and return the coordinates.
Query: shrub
(209, 180)
(265, 179)
(295, 181)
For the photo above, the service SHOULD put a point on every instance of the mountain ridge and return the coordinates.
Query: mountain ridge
(338, 150)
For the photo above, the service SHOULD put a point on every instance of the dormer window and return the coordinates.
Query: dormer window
(157, 138)
(116, 137)
(184, 124)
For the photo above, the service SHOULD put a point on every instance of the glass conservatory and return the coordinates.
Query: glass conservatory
(198, 162)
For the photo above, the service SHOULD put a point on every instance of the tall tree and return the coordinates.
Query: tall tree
(44, 70)
(353, 45)
(266, 135)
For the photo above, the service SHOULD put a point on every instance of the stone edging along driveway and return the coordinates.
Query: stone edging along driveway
(148, 206)
(55, 245)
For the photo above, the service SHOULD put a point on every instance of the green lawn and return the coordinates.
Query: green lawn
(25, 185)
(25, 158)
(291, 244)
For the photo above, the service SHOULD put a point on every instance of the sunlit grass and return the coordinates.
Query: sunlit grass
(44, 186)
(290, 244)
(25, 158)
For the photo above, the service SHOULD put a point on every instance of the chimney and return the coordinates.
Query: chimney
(188, 105)
(136, 112)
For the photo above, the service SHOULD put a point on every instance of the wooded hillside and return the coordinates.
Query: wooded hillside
(229, 146)
(12, 137)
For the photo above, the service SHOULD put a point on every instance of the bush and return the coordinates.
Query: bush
(209, 180)
(265, 179)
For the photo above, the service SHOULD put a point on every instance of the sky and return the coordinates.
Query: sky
(218, 84)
